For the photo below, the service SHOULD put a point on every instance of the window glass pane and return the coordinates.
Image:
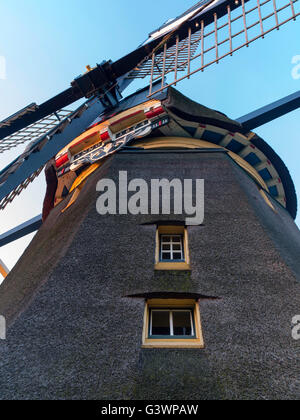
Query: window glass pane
(171, 248)
(177, 256)
(166, 256)
(166, 239)
(176, 239)
(182, 323)
(161, 323)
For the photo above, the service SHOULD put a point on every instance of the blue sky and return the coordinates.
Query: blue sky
(46, 44)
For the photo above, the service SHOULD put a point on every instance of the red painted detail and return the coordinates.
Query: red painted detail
(62, 160)
(105, 136)
(279, 180)
(253, 147)
(202, 125)
(154, 112)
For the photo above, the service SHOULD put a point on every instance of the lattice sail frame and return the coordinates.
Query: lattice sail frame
(215, 41)
(34, 131)
(17, 191)
(30, 134)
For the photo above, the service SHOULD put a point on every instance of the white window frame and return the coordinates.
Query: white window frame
(172, 251)
(171, 311)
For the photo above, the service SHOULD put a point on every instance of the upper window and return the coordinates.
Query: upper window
(172, 248)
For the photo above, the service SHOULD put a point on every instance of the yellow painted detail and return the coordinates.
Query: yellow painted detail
(3, 269)
(185, 303)
(188, 143)
(166, 343)
(137, 117)
(174, 142)
(171, 230)
(67, 181)
(167, 266)
(248, 168)
(267, 200)
(84, 175)
(74, 197)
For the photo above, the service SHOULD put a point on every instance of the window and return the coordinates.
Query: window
(168, 323)
(172, 248)
(172, 323)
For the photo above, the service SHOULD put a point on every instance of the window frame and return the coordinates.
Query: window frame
(172, 251)
(175, 265)
(195, 341)
(171, 319)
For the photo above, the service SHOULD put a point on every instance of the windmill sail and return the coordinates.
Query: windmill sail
(23, 170)
(32, 132)
(210, 35)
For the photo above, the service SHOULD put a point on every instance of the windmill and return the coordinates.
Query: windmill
(181, 48)
(78, 143)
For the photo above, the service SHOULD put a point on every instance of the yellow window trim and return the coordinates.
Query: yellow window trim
(173, 266)
(167, 266)
(198, 342)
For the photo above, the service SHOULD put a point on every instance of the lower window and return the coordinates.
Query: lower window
(172, 323)
(168, 323)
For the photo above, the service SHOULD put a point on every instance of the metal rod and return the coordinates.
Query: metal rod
(229, 28)
(293, 9)
(275, 13)
(151, 76)
(216, 36)
(202, 44)
(176, 58)
(189, 52)
(260, 18)
(164, 66)
(245, 22)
